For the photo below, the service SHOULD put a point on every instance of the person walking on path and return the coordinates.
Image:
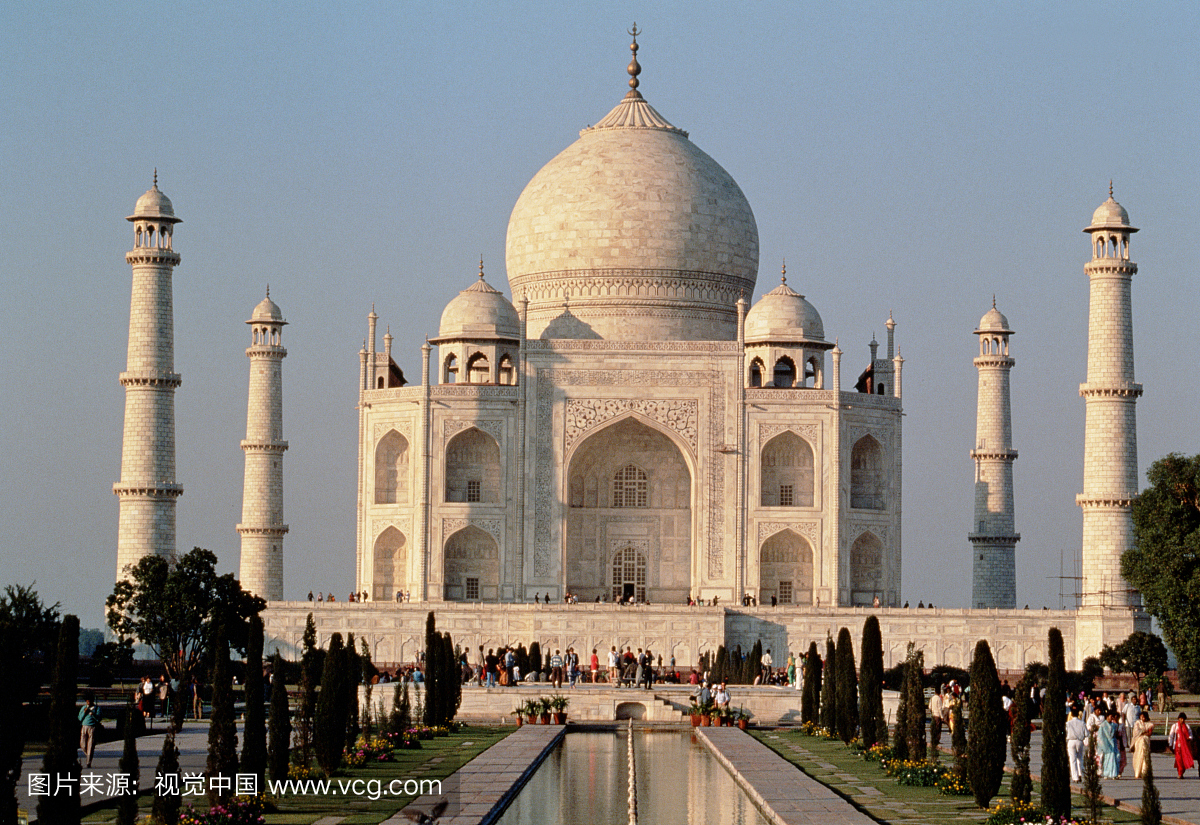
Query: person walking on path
(197, 699)
(936, 706)
(1140, 744)
(1106, 748)
(594, 666)
(1077, 734)
(89, 721)
(1180, 741)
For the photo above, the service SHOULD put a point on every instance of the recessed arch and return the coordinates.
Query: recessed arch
(451, 364)
(866, 569)
(473, 468)
(756, 372)
(867, 475)
(785, 372)
(391, 469)
(507, 370)
(478, 369)
(471, 563)
(785, 568)
(786, 477)
(389, 564)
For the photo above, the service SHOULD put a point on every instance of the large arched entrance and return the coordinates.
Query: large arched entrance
(472, 566)
(390, 571)
(629, 491)
(629, 576)
(786, 569)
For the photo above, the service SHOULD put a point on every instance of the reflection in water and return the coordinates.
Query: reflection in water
(585, 782)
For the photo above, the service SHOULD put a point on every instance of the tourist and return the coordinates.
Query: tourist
(1077, 734)
(491, 667)
(722, 695)
(1140, 744)
(1106, 748)
(556, 667)
(164, 696)
(595, 666)
(768, 665)
(89, 720)
(614, 663)
(310, 596)
(1180, 741)
(197, 701)
(147, 689)
(875, 601)
(936, 705)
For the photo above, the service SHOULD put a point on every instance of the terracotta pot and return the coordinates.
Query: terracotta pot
(705, 720)
(695, 720)
(520, 721)
(560, 718)
(545, 718)
(743, 723)
(531, 719)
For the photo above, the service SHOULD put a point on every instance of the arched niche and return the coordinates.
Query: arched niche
(867, 475)
(785, 568)
(786, 477)
(391, 469)
(473, 467)
(389, 564)
(471, 566)
(866, 569)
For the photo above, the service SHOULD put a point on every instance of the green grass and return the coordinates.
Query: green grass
(879, 795)
(436, 759)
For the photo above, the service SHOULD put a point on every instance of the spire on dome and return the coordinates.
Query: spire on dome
(156, 180)
(481, 266)
(1110, 194)
(634, 68)
(633, 112)
(783, 275)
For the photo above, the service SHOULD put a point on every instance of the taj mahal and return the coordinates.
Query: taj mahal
(631, 427)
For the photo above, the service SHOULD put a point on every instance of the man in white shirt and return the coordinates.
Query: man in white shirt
(1077, 733)
(936, 706)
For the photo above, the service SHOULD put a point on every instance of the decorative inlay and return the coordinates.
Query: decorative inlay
(402, 427)
(617, 545)
(493, 427)
(492, 526)
(588, 413)
(807, 431)
(379, 526)
(809, 529)
(507, 392)
(563, 344)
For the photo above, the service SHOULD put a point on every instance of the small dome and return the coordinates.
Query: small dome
(782, 315)
(267, 310)
(1110, 214)
(993, 321)
(154, 204)
(480, 311)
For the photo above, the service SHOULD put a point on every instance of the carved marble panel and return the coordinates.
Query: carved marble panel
(586, 414)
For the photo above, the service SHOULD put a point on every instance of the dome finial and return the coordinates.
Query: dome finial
(155, 177)
(481, 266)
(993, 300)
(1110, 187)
(783, 275)
(634, 68)
(268, 290)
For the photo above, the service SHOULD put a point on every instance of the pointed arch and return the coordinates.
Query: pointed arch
(786, 477)
(391, 469)
(867, 475)
(785, 568)
(451, 363)
(389, 564)
(507, 370)
(478, 369)
(756, 372)
(785, 372)
(473, 467)
(471, 561)
(866, 569)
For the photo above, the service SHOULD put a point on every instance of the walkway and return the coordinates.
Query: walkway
(479, 791)
(786, 795)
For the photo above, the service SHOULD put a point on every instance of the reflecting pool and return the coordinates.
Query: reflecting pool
(586, 779)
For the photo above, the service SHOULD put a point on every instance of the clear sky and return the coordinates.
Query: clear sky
(906, 157)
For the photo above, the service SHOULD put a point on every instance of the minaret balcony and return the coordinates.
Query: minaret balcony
(991, 538)
(1118, 389)
(998, 455)
(160, 490)
(151, 378)
(277, 530)
(152, 255)
(264, 446)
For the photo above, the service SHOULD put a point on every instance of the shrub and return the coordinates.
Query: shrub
(60, 759)
(241, 810)
(953, 783)
(222, 730)
(281, 723)
(329, 724)
(1014, 813)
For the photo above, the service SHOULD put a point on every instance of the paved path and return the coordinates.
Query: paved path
(193, 753)
(785, 794)
(479, 791)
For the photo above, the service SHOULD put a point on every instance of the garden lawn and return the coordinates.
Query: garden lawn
(866, 785)
(437, 758)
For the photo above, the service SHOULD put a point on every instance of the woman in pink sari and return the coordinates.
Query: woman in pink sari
(1180, 739)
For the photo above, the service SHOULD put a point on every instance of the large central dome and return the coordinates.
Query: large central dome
(632, 233)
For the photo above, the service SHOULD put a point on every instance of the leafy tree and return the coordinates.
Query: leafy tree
(173, 608)
(329, 726)
(28, 633)
(166, 805)
(1056, 778)
(847, 688)
(127, 804)
(986, 738)
(914, 705)
(61, 759)
(1022, 785)
(870, 685)
(1164, 563)
(109, 659)
(1141, 654)
(222, 730)
(254, 746)
(811, 692)
(829, 688)
(1151, 804)
(281, 722)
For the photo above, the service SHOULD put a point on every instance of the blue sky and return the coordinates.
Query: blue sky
(905, 157)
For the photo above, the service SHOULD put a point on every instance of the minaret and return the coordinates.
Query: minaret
(147, 490)
(262, 528)
(1110, 478)
(994, 537)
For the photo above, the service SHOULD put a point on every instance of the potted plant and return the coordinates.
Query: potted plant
(726, 715)
(519, 712)
(544, 710)
(531, 709)
(743, 718)
(558, 703)
(706, 714)
(694, 712)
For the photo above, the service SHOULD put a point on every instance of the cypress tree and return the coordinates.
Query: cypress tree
(914, 704)
(404, 718)
(127, 805)
(310, 678)
(1056, 788)
(847, 688)
(811, 691)
(870, 685)
(1151, 804)
(254, 746)
(900, 746)
(432, 671)
(61, 758)
(717, 674)
(753, 667)
(350, 680)
(958, 740)
(281, 723)
(535, 658)
(1022, 786)
(1092, 789)
(829, 688)
(329, 721)
(368, 678)
(166, 805)
(222, 730)
(452, 681)
(985, 739)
